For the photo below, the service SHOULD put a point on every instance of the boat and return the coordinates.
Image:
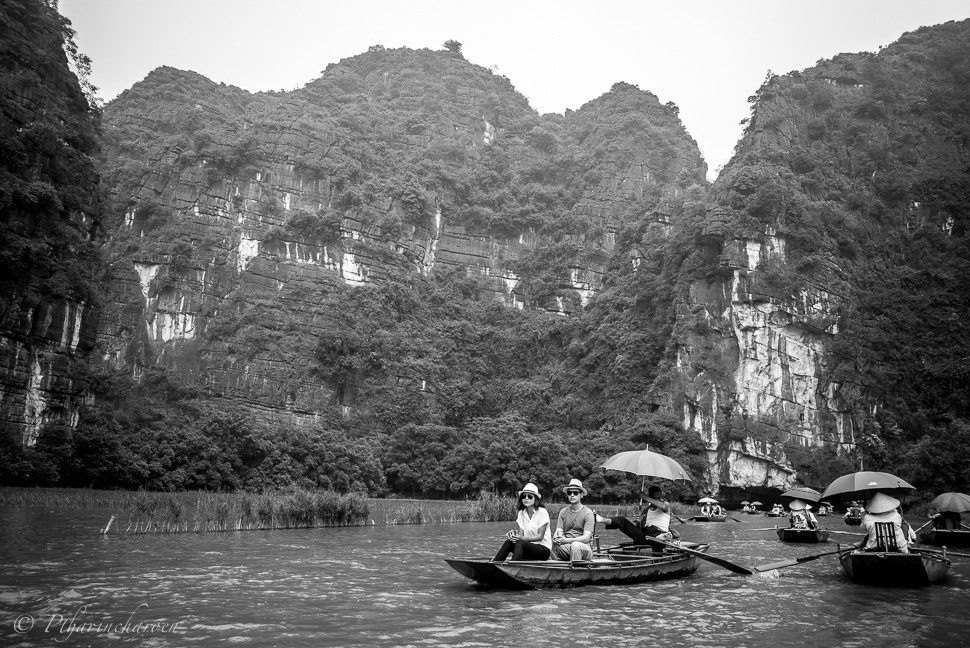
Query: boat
(707, 518)
(852, 519)
(945, 537)
(802, 535)
(894, 569)
(613, 566)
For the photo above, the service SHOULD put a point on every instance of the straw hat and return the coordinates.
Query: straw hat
(881, 503)
(531, 489)
(575, 483)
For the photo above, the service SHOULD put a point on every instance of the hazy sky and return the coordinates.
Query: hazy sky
(706, 56)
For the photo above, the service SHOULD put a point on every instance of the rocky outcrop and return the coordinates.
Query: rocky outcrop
(48, 224)
(242, 213)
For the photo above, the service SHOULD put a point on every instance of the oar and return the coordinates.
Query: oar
(965, 526)
(924, 526)
(846, 532)
(794, 561)
(679, 519)
(726, 564)
(731, 517)
(774, 528)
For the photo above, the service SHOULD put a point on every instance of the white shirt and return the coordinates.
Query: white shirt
(530, 526)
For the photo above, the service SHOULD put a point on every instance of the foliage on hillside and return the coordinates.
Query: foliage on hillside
(49, 202)
(861, 164)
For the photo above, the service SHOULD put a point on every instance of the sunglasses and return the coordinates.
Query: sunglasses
(574, 492)
(527, 496)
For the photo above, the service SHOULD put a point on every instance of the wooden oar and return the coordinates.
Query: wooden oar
(774, 528)
(679, 519)
(732, 518)
(846, 532)
(965, 526)
(791, 562)
(726, 564)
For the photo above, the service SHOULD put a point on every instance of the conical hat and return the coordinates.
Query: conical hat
(881, 503)
(798, 505)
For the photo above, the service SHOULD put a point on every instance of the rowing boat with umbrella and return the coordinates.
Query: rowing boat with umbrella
(946, 528)
(708, 517)
(791, 534)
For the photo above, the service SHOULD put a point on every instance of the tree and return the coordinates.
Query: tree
(453, 46)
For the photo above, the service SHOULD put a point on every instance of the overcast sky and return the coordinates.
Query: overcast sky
(706, 56)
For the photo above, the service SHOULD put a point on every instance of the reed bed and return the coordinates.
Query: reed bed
(488, 507)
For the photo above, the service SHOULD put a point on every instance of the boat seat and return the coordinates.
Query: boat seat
(886, 536)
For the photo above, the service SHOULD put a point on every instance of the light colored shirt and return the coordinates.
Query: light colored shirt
(868, 523)
(530, 526)
(657, 518)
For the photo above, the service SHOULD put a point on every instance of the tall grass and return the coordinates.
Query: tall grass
(151, 512)
(488, 507)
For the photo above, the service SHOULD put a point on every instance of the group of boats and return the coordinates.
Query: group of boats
(661, 560)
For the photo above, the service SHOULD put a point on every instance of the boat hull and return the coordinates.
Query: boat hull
(618, 567)
(803, 535)
(945, 537)
(893, 569)
(707, 518)
(853, 521)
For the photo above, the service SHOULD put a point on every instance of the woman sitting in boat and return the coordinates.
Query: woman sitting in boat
(655, 521)
(777, 510)
(532, 540)
(884, 508)
(801, 516)
(717, 511)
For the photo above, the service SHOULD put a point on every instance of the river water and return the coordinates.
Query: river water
(61, 583)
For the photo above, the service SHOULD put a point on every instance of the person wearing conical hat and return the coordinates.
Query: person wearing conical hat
(885, 508)
(531, 541)
(574, 527)
(801, 516)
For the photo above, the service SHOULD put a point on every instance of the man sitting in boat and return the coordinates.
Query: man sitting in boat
(777, 510)
(655, 519)
(716, 510)
(706, 509)
(801, 516)
(854, 511)
(947, 520)
(885, 508)
(574, 526)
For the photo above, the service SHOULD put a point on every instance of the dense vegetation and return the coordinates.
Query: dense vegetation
(860, 164)
(870, 191)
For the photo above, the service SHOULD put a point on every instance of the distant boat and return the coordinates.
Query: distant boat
(606, 568)
(707, 518)
(803, 535)
(852, 517)
(894, 569)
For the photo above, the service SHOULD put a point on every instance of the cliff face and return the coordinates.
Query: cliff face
(832, 190)
(48, 217)
(238, 217)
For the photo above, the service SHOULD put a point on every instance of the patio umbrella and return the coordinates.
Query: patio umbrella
(803, 493)
(951, 502)
(865, 484)
(646, 463)
(707, 500)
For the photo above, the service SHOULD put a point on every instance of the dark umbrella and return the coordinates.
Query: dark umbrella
(865, 484)
(951, 502)
(803, 493)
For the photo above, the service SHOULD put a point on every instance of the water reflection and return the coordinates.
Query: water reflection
(389, 586)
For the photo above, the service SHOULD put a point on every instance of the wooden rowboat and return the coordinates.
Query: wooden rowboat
(707, 518)
(611, 567)
(803, 535)
(945, 537)
(894, 569)
(852, 520)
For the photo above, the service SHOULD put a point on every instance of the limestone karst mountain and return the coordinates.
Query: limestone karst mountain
(402, 268)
